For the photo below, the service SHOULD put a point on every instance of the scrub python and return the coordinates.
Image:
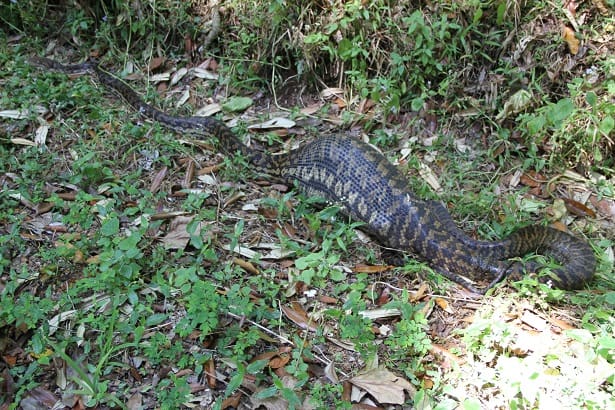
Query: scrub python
(369, 189)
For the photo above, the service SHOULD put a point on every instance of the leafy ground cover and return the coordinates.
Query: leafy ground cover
(143, 269)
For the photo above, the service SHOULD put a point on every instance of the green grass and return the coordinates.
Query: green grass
(90, 293)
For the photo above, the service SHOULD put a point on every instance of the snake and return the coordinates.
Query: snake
(369, 189)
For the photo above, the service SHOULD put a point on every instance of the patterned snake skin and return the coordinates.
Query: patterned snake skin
(370, 189)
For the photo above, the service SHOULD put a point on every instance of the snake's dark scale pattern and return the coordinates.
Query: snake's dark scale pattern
(370, 189)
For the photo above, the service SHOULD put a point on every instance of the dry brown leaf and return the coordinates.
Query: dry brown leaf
(447, 356)
(532, 179)
(384, 386)
(384, 297)
(330, 373)
(135, 401)
(311, 109)
(299, 316)
(571, 6)
(232, 401)
(177, 236)
(39, 398)
(578, 209)
(210, 368)
(280, 361)
(10, 360)
(155, 63)
(327, 300)
(562, 324)
(371, 268)
(605, 206)
(601, 6)
(247, 266)
(419, 293)
(157, 181)
(443, 304)
(189, 175)
(570, 38)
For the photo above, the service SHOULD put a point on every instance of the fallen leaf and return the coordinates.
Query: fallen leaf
(570, 38)
(204, 73)
(430, 177)
(374, 314)
(273, 123)
(135, 401)
(179, 74)
(532, 179)
(448, 358)
(177, 236)
(329, 300)
(371, 268)
(23, 141)
(605, 206)
(299, 316)
(601, 6)
(208, 110)
(516, 103)
(247, 266)
(384, 386)
(210, 368)
(232, 401)
(158, 178)
(578, 209)
(38, 398)
(443, 304)
(311, 109)
(155, 63)
(330, 373)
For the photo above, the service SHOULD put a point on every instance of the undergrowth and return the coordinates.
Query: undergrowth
(95, 290)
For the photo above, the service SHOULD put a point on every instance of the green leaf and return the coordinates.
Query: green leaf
(606, 125)
(417, 103)
(257, 366)
(610, 298)
(155, 319)
(536, 124)
(561, 111)
(235, 104)
(337, 275)
(471, 404)
(266, 393)
(501, 12)
(236, 380)
(110, 226)
(130, 242)
(591, 98)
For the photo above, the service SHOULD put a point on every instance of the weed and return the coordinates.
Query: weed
(575, 129)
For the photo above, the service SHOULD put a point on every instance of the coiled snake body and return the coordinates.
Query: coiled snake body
(370, 189)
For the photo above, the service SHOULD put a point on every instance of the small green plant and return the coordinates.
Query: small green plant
(173, 392)
(576, 128)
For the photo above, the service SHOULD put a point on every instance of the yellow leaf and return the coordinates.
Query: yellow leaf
(571, 40)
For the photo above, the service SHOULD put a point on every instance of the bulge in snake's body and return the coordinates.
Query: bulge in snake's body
(370, 189)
